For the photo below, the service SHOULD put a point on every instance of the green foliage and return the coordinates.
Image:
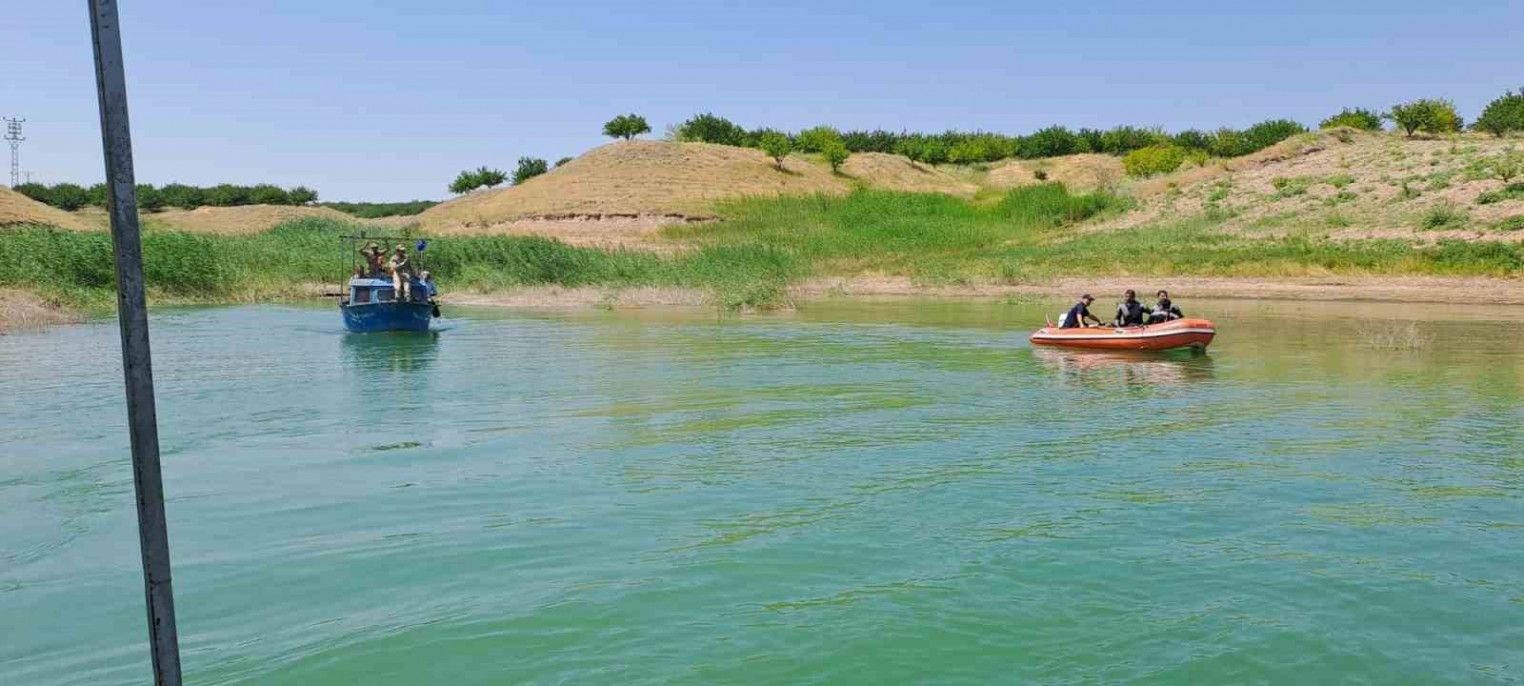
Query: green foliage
(1514, 223)
(1357, 118)
(816, 139)
(871, 141)
(1286, 187)
(376, 210)
(1124, 139)
(68, 196)
(1429, 115)
(302, 195)
(1443, 216)
(529, 167)
(1162, 158)
(35, 191)
(1191, 139)
(777, 146)
(1270, 132)
(267, 194)
(492, 178)
(150, 199)
(835, 154)
(465, 182)
(626, 126)
(1339, 180)
(181, 196)
(1508, 165)
(562, 161)
(708, 128)
(97, 195)
(226, 195)
(1513, 191)
(1049, 142)
(1502, 115)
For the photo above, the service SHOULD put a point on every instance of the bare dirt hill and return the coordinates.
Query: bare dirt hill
(1080, 173)
(244, 220)
(898, 173)
(16, 209)
(636, 178)
(1347, 184)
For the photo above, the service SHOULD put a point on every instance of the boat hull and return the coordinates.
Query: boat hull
(1181, 333)
(386, 316)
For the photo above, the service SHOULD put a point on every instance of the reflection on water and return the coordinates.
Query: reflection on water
(882, 492)
(1127, 367)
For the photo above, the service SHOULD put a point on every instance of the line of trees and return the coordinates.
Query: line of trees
(70, 196)
(484, 177)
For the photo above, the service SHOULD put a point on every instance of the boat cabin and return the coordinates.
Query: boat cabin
(366, 290)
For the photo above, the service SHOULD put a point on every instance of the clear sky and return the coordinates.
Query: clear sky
(388, 99)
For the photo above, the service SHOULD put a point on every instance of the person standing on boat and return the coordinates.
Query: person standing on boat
(1076, 316)
(427, 281)
(1130, 312)
(1164, 310)
(402, 274)
(375, 259)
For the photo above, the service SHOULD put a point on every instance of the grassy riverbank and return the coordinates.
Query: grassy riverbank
(763, 248)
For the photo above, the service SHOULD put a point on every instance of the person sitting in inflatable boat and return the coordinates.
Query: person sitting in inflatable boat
(1130, 312)
(1164, 310)
(1076, 316)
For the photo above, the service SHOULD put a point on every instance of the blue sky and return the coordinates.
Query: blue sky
(387, 100)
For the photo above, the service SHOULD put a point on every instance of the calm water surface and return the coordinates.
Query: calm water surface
(869, 492)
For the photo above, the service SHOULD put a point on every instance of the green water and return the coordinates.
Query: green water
(879, 492)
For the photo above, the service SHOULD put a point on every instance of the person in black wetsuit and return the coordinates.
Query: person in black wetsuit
(1130, 312)
(1164, 310)
(1076, 316)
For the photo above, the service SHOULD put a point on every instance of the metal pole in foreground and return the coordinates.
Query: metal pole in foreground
(132, 314)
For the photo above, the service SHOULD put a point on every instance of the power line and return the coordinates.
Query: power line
(14, 137)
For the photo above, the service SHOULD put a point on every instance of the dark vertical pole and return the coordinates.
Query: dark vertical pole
(132, 313)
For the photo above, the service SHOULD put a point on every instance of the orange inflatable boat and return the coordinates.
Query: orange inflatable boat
(1181, 333)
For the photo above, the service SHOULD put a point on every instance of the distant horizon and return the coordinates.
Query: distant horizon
(392, 107)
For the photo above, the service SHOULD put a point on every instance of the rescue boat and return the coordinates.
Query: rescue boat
(1180, 333)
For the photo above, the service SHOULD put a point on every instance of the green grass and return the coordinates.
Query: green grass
(1286, 187)
(1443, 216)
(1513, 191)
(762, 248)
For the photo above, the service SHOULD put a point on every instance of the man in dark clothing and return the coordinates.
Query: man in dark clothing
(1130, 312)
(1076, 316)
(1164, 310)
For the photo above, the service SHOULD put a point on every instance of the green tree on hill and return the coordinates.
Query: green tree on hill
(225, 195)
(302, 195)
(1357, 118)
(465, 182)
(268, 194)
(816, 139)
(935, 152)
(835, 153)
(181, 196)
(1503, 114)
(68, 196)
(492, 178)
(626, 126)
(97, 195)
(1430, 115)
(150, 199)
(562, 161)
(708, 128)
(777, 146)
(529, 167)
(35, 191)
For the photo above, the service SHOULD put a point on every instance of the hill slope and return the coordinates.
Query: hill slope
(16, 208)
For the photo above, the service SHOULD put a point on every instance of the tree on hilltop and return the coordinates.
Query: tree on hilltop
(626, 126)
(1429, 115)
(529, 167)
(491, 178)
(465, 182)
(835, 153)
(777, 146)
(1503, 114)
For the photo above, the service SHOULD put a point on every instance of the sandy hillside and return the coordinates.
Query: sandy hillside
(637, 178)
(16, 208)
(247, 219)
(897, 173)
(1348, 185)
(1083, 172)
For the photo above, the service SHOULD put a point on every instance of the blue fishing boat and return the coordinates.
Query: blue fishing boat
(370, 304)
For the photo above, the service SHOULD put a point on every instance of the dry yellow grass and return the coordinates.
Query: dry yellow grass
(1083, 172)
(248, 219)
(16, 208)
(637, 178)
(897, 173)
(23, 311)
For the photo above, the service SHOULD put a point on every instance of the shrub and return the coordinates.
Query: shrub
(492, 178)
(149, 198)
(68, 196)
(1227, 142)
(1514, 223)
(1428, 115)
(302, 195)
(936, 152)
(1191, 139)
(1513, 191)
(1268, 133)
(562, 161)
(871, 141)
(1508, 165)
(529, 167)
(708, 128)
(1444, 216)
(1090, 140)
(836, 154)
(225, 195)
(1154, 159)
(1340, 180)
(1286, 187)
(181, 196)
(1050, 142)
(268, 194)
(1503, 114)
(966, 152)
(626, 126)
(1040, 175)
(1357, 118)
(777, 146)
(97, 195)
(35, 191)
(465, 182)
(816, 139)
(1125, 139)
